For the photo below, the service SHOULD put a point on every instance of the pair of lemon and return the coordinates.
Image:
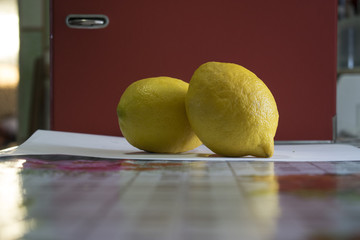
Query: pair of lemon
(224, 106)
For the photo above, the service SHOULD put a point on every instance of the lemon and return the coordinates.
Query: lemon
(152, 116)
(231, 110)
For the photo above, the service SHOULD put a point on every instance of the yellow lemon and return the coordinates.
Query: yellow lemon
(231, 110)
(152, 116)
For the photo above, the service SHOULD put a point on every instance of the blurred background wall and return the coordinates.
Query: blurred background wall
(24, 69)
(9, 72)
(348, 62)
(33, 66)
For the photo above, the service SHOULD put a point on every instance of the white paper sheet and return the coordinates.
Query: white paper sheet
(55, 142)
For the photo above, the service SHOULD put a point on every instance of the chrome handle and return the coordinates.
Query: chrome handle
(87, 21)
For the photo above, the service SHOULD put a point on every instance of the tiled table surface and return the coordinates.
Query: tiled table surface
(64, 197)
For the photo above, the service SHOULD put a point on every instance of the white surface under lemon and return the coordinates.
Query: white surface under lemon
(80, 144)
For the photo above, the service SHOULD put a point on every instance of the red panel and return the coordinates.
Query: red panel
(290, 45)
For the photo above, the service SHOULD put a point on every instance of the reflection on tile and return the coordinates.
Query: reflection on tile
(59, 198)
(13, 223)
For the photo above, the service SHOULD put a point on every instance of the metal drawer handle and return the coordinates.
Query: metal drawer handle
(87, 21)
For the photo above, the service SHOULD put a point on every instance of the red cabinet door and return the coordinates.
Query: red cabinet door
(290, 45)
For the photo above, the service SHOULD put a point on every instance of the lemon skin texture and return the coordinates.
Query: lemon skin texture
(232, 111)
(152, 116)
